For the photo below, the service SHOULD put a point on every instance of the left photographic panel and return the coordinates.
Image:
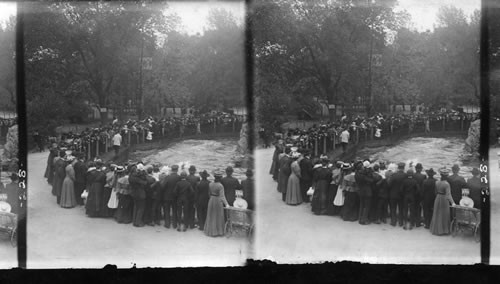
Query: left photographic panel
(9, 191)
(137, 126)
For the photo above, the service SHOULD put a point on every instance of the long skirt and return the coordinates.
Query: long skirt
(68, 198)
(94, 200)
(214, 225)
(331, 209)
(293, 194)
(440, 223)
(320, 198)
(125, 209)
(105, 210)
(282, 182)
(350, 210)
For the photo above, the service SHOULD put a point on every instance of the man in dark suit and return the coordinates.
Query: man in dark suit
(456, 184)
(168, 191)
(474, 186)
(230, 184)
(248, 189)
(193, 180)
(410, 188)
(419, 177)
(183, 191)
(12, 191)
(137, 182)
(395, 195)
(306, 172)
(202, 197)
(364, 180)
(80, 178)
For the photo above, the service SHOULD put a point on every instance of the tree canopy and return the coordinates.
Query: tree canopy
(82, 54)
(321, 50)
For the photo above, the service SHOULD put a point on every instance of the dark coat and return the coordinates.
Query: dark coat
(456, 184)
(383, 188)
(183, 191)
(193, 180)
(230, 184)
(137, 183)
(248, 192)
(364, 181)
(80, 172)
(202, 192)
(395, 182)
(419, 177)
(168, 186)
(474, 186)
(410, 187)
(306, 169)
(428, 192)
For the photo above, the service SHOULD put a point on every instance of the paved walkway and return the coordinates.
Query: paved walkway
(59, 237)
(293, 234)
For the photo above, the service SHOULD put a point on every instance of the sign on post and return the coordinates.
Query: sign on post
(147, 63)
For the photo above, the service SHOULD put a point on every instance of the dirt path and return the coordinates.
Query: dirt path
(292, 234)
(59, 237)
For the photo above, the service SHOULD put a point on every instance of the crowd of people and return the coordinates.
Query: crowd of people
(378, 125)
(373, 192)
(147, 194)
(151, 127)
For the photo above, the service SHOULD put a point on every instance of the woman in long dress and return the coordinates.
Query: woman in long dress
(350, 210)
(105, 210)
(440, 223)
(321, 183)
(68, 198)
(214, 225)
(59, 166)
(125, 209)
(284, 172)
(293, 193)
(96, 181)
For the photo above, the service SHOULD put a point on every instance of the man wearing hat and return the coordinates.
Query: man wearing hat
(183, 192)
(474, 186)
(306, 173)
(248, 189)
(344, 139)
(150, 187)
(395, 195)
(230, 184)
(428, 196)
(169, 199)
(419, 177)
(456, 184)
(202, 197)
(193, 180)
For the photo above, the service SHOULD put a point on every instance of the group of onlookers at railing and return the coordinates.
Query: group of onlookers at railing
(372, 192)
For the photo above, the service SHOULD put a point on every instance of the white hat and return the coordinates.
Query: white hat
(366, 164)
(140, 167)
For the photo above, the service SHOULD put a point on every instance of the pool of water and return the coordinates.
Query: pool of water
(431, 152)
(207, 155)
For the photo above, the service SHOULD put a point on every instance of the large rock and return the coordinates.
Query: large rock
(472, 140)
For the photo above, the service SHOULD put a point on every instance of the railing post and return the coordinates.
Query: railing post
(333, 141)
(88, 150)
(316, 147)
(357, 135)
(215, 126)
(324, 145)
(97, 147)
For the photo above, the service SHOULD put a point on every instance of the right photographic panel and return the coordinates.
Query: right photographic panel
(367, 115)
